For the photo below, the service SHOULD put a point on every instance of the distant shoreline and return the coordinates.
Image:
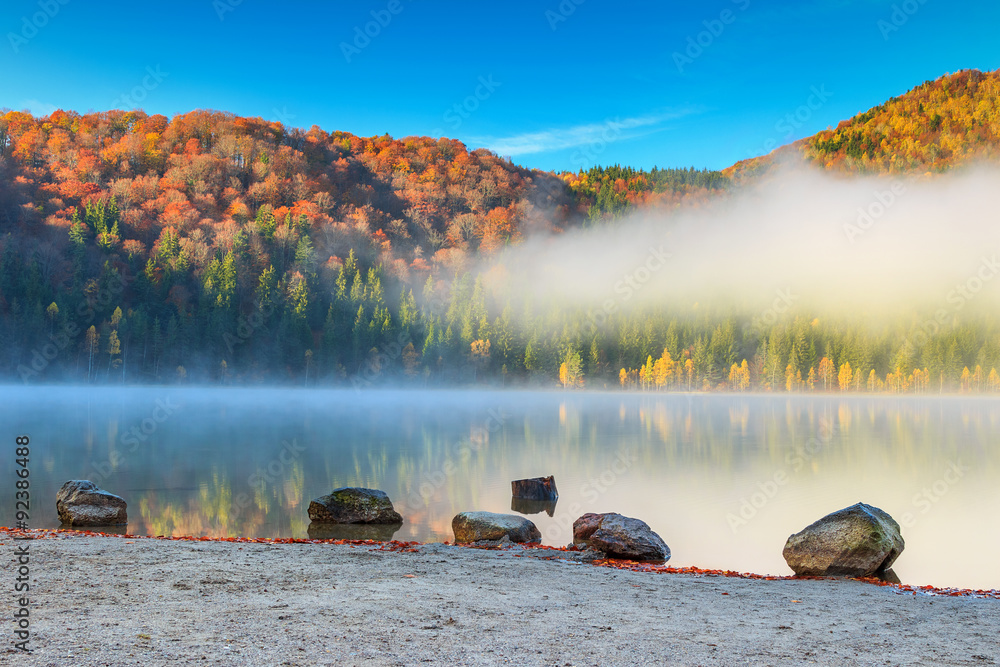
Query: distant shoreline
(11, 383)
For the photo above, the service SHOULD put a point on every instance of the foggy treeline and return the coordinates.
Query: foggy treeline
(217, 249)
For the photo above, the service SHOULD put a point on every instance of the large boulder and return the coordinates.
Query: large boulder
(620, 537)
(80, 503)
(353, 505)
(487, 526)
(536, 488)
(857, 541)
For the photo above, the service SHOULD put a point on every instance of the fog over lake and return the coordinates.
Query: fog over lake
(724, 479)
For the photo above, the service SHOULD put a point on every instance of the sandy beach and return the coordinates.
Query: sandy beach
(118, 601)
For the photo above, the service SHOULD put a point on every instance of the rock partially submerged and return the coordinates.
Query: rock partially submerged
(533, 506)
(354, 505)
(535, 488)
(620, 537)
(857, 541)
(379, 532)
(82, 503)
(470, 527)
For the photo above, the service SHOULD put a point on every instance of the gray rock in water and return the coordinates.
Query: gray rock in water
(535, 488)
(858, 541)
(81, 503)
(523, 506)
(380, 532)
(487, 526)
(620, 537)
(353, 505)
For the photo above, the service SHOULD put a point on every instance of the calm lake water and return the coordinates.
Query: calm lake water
(723, 479)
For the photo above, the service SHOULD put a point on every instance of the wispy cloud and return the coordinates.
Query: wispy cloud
(579, 135)
(37, 108)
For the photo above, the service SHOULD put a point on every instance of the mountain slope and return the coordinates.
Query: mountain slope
(134, 248)
(936, 126)
(211, 171)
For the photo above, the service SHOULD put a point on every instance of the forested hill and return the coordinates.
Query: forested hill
(207, 219)
(223, 175)
(214, 248)
(936, 126)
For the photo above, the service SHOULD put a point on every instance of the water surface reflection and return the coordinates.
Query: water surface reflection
(724, 479)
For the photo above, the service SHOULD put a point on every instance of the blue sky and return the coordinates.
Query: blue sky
(553, 84)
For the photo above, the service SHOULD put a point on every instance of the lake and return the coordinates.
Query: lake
(724, 479)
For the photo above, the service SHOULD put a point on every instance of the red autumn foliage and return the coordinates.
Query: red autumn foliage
(200, 170)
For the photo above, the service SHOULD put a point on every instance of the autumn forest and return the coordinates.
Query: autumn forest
(211, 248)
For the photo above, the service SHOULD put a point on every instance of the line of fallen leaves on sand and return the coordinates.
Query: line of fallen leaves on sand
(411, 547)
(635, 566)
(69, 533)
(901, 588)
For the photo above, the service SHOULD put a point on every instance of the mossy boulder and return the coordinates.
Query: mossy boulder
(857, 541)
(80, 503)
(472, 527)
(354, 505)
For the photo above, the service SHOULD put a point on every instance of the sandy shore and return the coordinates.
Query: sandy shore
(115, 601)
